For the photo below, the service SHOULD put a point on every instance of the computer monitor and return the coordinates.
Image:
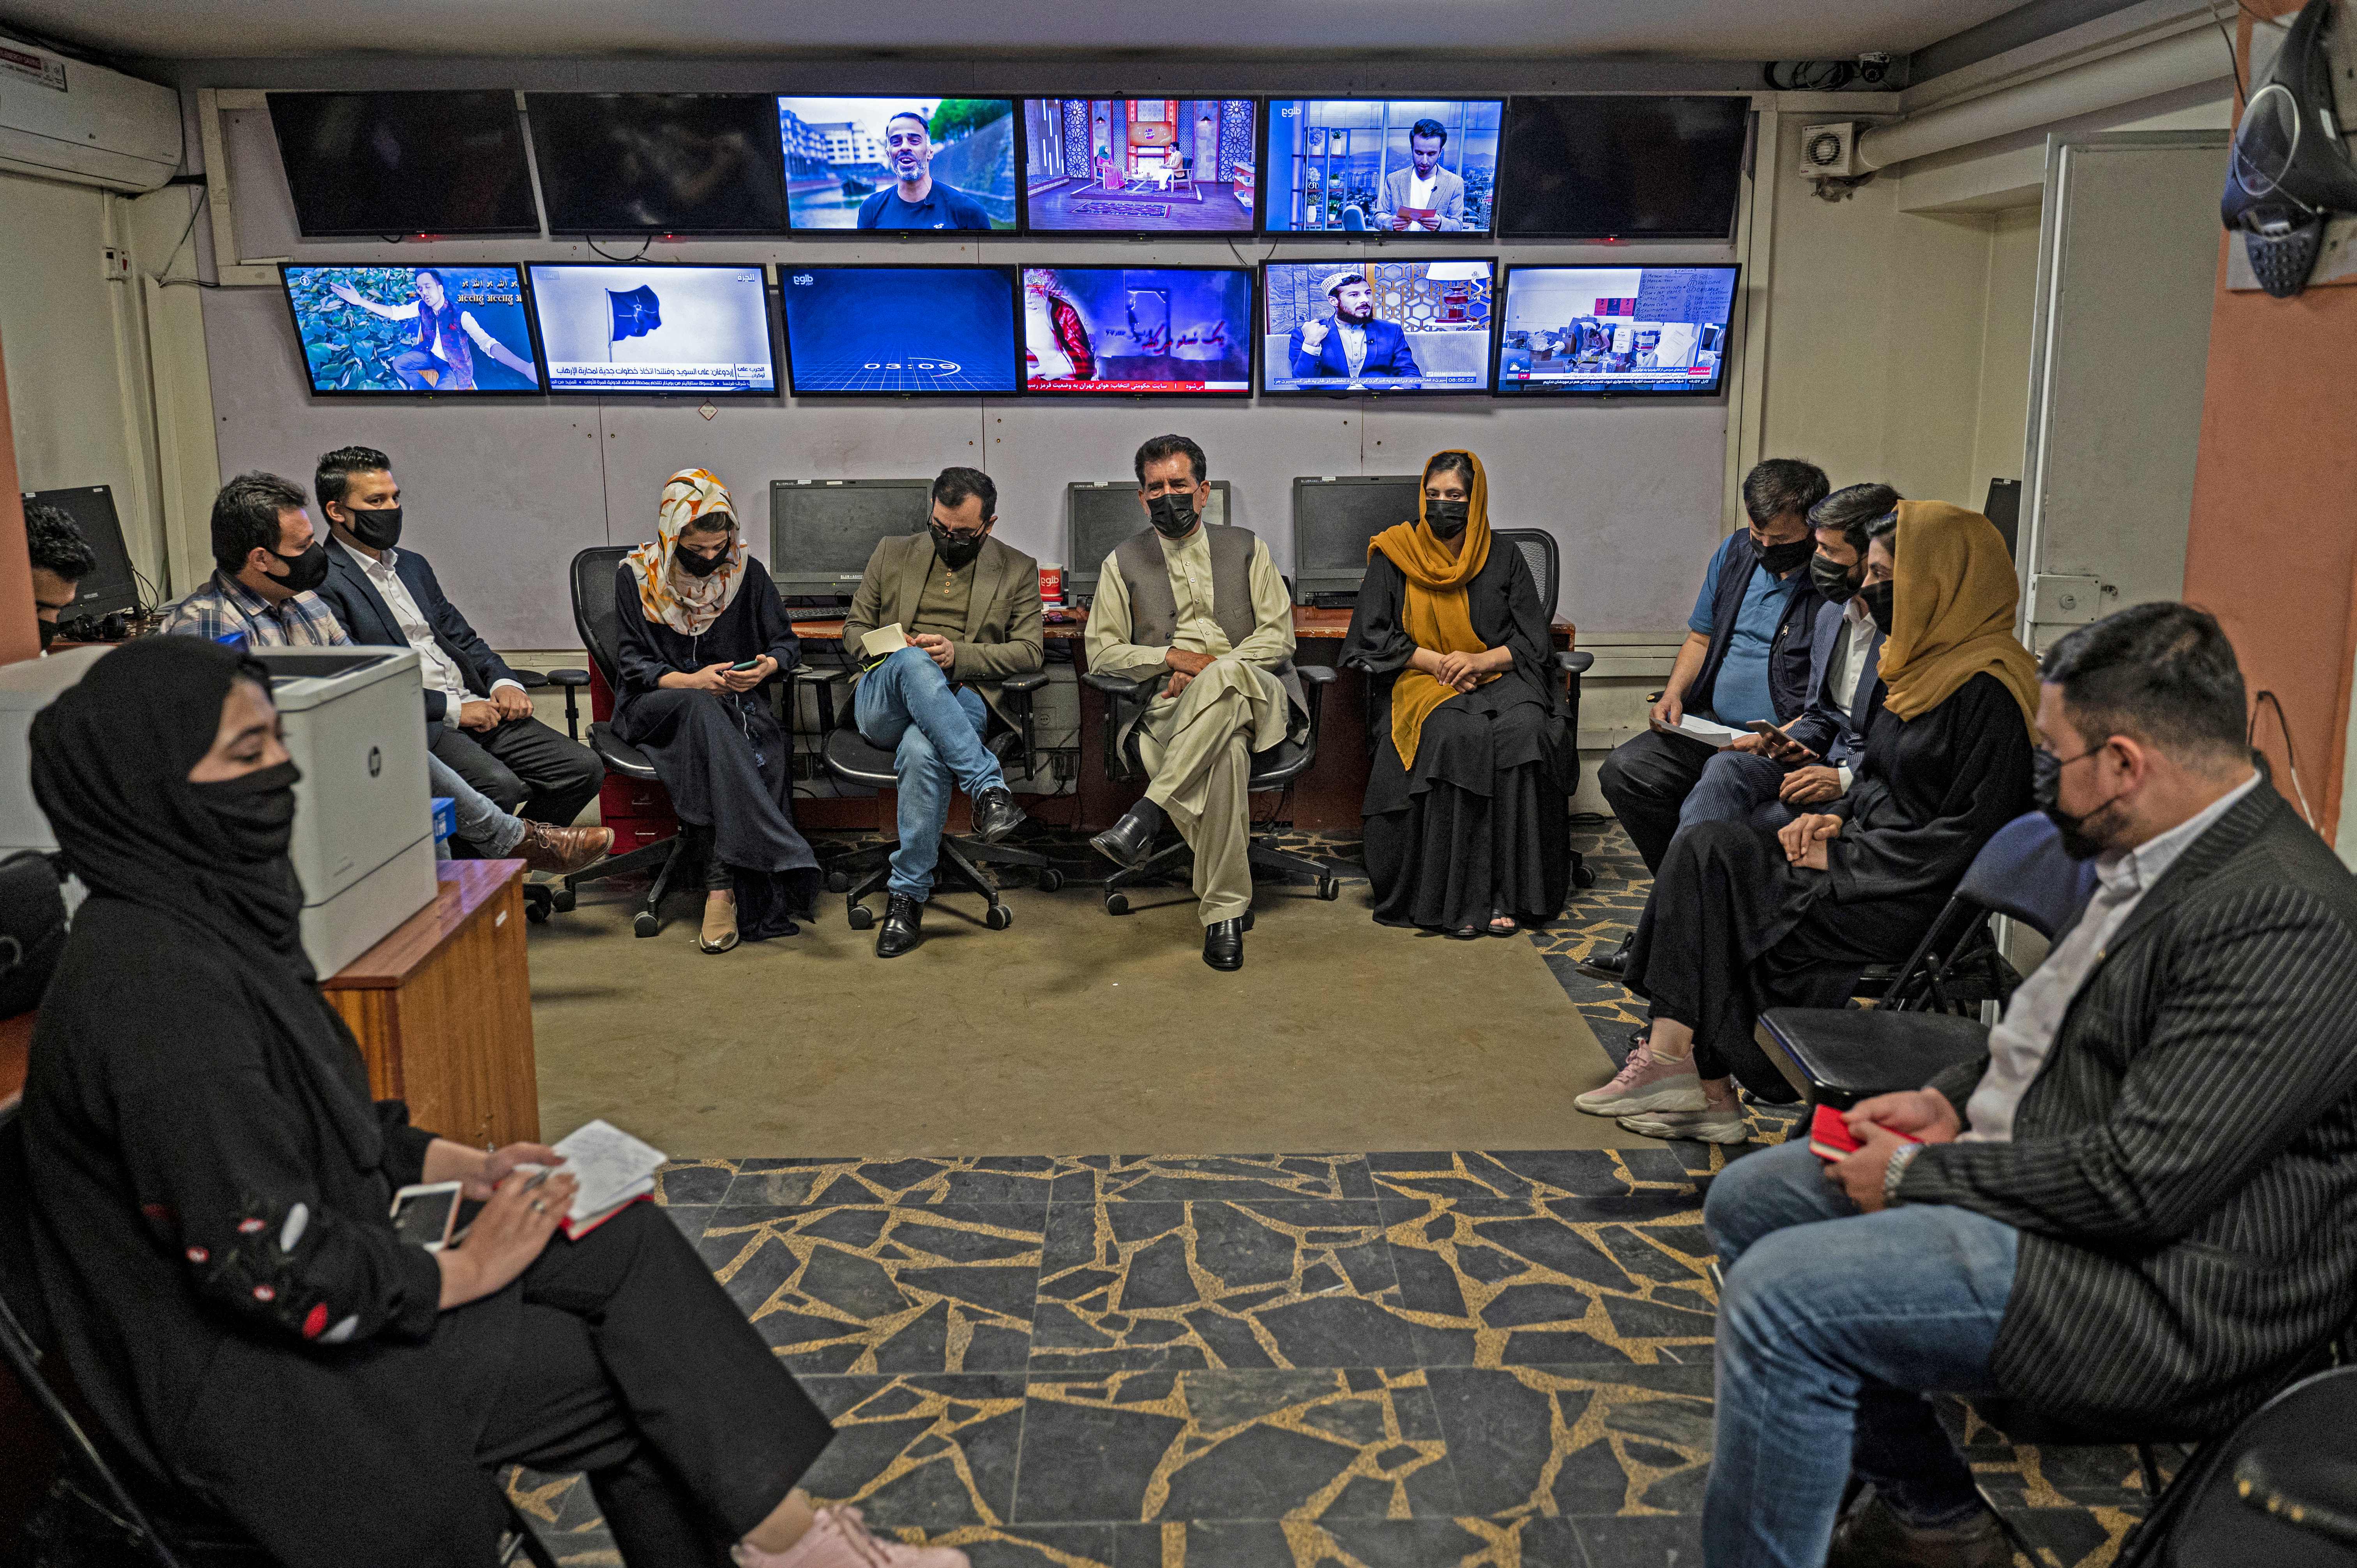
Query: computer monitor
(1138, 331)
(907, 331)
(112, 584)
(2004, 509)
(1623, 167)
(658, 163)
(366, 165)
(441, 331)
(1145, 167)
(822, 532)
(1616, 331)
(1402, 168)
(846, 160)
(1333, 518)
(702, 330)
(1104, 512)
(1426, 326)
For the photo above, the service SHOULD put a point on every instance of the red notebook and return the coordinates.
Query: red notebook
(1830, 1139)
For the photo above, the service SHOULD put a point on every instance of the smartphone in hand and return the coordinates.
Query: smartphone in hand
(746, 664)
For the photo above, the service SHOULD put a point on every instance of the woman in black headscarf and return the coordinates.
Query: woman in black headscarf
(210, 1187)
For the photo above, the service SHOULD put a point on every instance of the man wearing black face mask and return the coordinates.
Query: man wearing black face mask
(61, 559)
(478, 715)
(970, 607)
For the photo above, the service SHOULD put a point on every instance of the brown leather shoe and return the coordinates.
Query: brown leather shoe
(1871, 1536)
(562, 850)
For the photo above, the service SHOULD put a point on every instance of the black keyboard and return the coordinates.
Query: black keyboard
(814, 612)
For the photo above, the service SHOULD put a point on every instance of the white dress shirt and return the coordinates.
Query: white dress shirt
(1849, 663)
(2020, 1043)
(440, 672)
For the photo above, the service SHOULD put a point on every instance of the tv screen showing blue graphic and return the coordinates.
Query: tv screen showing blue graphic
(946, 332)
(899, 162)
(1138, 331)
(1376, 326)
(442, 331)
(1400, 166)
(654, 329)
(1642, 331)
(1139, 166)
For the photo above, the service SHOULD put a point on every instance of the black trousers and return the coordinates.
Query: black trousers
(1647, 778)
(525, 768)
(633, 1365)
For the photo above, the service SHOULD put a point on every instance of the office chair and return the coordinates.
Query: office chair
(1272, 769)
(851, 758)
(98, 1499)
(1540, 553)
(542, 898)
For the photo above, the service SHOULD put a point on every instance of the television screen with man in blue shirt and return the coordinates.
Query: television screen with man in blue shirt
(899, 162)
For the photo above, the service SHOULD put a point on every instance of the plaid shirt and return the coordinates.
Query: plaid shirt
(224, 605)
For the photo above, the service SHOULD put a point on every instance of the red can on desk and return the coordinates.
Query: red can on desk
(1051, 582)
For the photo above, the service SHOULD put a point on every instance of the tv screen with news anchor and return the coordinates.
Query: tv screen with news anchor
(1404, 167)
(1340, 327)
(904, 163)
(882, 331)
(654, 329)
(1138, 331)
(1616, 331)
(1139, 166)
(441, 331)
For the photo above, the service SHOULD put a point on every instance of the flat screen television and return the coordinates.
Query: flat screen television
(1138, 331)
(658, 163)
(440, 331)
(1402, 168)
(1140, 166)
(822, 532)
(883, 332)
(1616, 331)
(1104, 512)
(857, 163)
(404, 163)
(1620, 166)
(113, 585)
(1422, 327)
(693, 329)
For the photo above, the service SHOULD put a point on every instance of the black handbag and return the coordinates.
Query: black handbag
(32, 929)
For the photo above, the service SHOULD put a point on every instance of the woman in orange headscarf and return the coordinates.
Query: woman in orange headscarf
(702, 630)
(1742, 918)
(1467, 824)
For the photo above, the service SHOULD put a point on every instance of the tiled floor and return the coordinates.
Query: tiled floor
(1366, 1360)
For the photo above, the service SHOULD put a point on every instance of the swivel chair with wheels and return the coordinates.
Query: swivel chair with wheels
(540, 898)
(1273, 770)
(852, 759)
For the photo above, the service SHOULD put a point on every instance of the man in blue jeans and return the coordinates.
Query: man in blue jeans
(2128, 1213)
(969, 607)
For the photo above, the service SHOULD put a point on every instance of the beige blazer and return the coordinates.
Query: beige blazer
(1002, 618)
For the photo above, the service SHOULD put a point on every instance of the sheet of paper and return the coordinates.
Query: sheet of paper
(1711, 733)
(884, 639)
(608, 1163)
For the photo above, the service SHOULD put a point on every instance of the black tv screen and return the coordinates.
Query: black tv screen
(404, 163)
(658, 163)
(1605, 167)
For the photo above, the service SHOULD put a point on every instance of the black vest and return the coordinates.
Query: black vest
(1787, 654)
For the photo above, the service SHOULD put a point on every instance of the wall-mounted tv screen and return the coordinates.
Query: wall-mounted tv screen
(1619, 167)
(891, 330)
(1132, 331)
(654, 328)
(899, 162)
(404, 163)
(1376, 326)
(658, 163)
(1636, 331)
(1382, 165)
(1139, 166)
(441, 331)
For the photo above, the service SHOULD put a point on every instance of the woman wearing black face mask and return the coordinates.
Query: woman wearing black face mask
(210, 1184)
(1466, 823)
(692, 605)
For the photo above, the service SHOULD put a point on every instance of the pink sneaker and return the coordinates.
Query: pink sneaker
(840, 1538)
(1646, 1083)
(1720, 1121)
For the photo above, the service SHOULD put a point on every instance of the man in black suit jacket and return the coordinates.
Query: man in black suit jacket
(477, 713)
(2130, 1213)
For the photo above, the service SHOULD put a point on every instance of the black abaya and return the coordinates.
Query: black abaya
(1732, 928)
(1481, 822)
(724, 760)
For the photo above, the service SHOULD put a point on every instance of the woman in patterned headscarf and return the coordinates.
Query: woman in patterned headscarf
(701, 631)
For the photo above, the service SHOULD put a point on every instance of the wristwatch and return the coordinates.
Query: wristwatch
(1895, 1171)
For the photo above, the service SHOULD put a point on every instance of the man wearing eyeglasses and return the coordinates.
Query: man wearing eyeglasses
(969, 607)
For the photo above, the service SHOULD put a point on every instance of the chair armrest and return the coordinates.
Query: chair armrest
(1024, 684)
(1315, 674)
(1128, 688)
(811, 675)
(531, 680)
(1574, 662)
(568, 677)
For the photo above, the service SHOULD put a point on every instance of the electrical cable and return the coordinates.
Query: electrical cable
(2291, 753)
(624, 260)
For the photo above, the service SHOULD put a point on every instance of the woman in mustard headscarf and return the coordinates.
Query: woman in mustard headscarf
(1467, 824)
(1743, 919)
(694, 606)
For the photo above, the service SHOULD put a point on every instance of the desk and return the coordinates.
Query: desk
(442, 1007)
(1328, 796)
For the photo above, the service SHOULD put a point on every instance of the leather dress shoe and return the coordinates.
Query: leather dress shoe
(1223, 942)
(1130, 841)
(1871, 1536)
(1613, 965)
(996, 814)
(903, 927)
(564, 850)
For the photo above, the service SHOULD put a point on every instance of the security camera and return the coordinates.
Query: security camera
(1873, 68)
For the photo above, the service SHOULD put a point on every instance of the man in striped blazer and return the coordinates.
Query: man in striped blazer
(2134, 1212)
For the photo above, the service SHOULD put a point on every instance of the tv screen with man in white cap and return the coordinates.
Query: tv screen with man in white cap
(1343, 327)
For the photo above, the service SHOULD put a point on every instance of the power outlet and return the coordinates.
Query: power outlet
(114, 264)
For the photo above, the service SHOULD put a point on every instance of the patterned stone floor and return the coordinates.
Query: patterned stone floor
(1493, 1360)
